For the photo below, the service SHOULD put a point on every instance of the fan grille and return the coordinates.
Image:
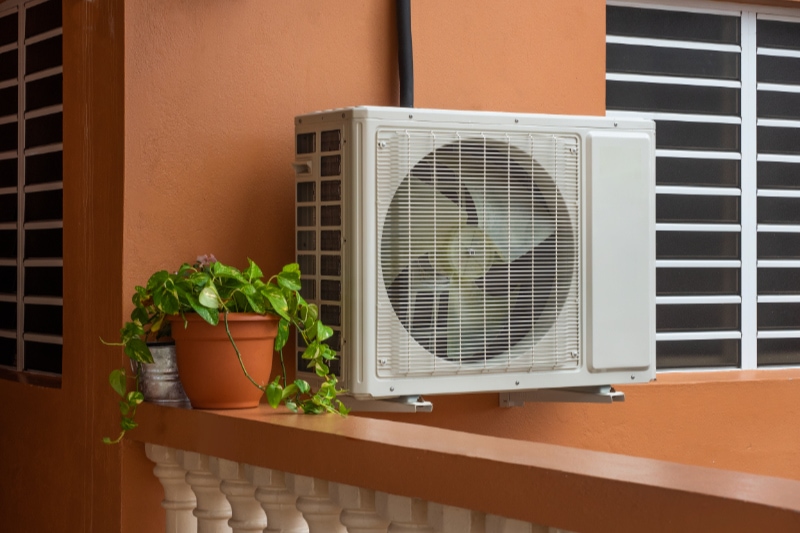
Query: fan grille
(478, 253)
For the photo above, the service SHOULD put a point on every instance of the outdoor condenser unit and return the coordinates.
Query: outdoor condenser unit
(458, 251)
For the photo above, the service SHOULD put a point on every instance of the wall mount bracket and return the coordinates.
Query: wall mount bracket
(603, 394)
(403, 404)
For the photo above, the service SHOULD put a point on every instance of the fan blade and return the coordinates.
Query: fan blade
(514, 222)
(475, 322)
(418, 222)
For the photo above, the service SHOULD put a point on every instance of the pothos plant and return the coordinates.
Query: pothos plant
(213, 290)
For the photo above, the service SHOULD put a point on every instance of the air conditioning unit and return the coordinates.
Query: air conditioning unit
(461, 252)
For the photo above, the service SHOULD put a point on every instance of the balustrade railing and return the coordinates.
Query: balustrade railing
(211, 495)
(272, 471)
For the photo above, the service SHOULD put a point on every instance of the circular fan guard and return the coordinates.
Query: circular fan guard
(476, 251)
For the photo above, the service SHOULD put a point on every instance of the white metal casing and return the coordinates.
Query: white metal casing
(615, 287)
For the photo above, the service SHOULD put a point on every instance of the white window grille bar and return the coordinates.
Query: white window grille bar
(779, 299)
(778, 52)
(42, 36)
(665, 43)
(698, 154)
(46, 149)
(44, 300)
(780, 334)
(40, 337)
(779, 87)
(676, 117)
(51, 110)
(698, 263)
(778, 263)
(782, 16)
(673, 80)
(779, 193)
(778, 123)
(698, 335)
(778, 228)
(44, 73)
(731, 228)
(681, 300)
(698, 191)
(44, 224)
(57, 262)
(748, 206)
(40, 187)
(779, 158)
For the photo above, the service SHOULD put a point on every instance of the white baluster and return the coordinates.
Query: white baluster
(213, 510)
(314, 502)
(447, 519)
(358, 509)
(179, 500)
(276, 499)
(499, 524)
(407, 515)
(246, 512)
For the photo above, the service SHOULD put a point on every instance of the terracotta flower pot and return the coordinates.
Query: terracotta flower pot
(207, 363)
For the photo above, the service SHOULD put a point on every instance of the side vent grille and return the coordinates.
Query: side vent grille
(320, 228)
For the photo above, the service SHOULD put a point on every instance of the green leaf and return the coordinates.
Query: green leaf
(209, 315)
(289, 391)
(302, 385)
(256, 303)
(124, 408)
(283, 334)
(343, 410)
(321, 369)
(140, 315)
(274, 394)
(127, 423)
(291, 405)
(209, 297)
(291, 267)
(289, 280)
(323, 332)
(278, 302)
(252, 271)
(224, 271)
(135, 397)
(138, 350)
(117, 381)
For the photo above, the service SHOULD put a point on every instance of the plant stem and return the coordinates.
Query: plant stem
(283, 367)
(239, 355)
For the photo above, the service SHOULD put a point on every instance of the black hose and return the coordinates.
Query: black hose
(405, 53)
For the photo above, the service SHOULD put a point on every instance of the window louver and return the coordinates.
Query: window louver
(31, 187)
(724, 90)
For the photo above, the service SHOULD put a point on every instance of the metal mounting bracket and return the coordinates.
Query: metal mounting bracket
(604, 394)
(403, 404)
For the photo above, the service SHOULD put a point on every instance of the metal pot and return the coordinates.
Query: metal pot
(159, 380)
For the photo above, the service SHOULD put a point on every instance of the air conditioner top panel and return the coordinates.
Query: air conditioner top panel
(438, 116)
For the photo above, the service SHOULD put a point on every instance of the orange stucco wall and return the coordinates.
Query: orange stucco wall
(179, 121)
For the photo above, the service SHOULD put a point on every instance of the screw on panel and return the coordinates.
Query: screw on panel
(573, 150)
(574, 354)
(516, 121)
(391, 389)
(633, 377)
(382, 144)
(410, 116)
(382, 361)
(516, 383)
(615, 124)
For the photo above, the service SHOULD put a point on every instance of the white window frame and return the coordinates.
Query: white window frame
(748, 191)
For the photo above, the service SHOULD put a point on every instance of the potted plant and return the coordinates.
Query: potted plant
(210, 298)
